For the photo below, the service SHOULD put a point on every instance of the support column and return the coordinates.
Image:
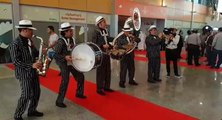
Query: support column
(15, 16)
(192, 16)
(114, 25)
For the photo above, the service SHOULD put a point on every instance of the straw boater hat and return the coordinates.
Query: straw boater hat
(25, 24)
(65, 26)
(152, 27)
(127, 28)
(99, 19)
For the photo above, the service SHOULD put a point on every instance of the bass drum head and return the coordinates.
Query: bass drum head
(83, 57)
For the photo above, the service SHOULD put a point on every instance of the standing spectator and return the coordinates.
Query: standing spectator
(206, 30)
(53, 37)
(188, 33)
(171, 53)
(180, 44)
(141, 44)
(209, 50)
(217, 48)
(193, 48)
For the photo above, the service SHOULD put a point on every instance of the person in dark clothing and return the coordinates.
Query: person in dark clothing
(180, 44)
(63, 58)
(127, 62)
(209, 51)
(23, 54)
(103, 73)
(193, 44)
(171, 53)
(153, 44)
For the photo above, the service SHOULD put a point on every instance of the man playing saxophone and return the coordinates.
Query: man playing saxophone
(23, 54)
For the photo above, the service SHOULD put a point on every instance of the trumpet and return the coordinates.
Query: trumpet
(42, 58)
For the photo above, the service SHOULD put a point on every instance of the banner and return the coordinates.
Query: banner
(72, 16)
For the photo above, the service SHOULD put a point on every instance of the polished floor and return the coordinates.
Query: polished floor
(198, 94)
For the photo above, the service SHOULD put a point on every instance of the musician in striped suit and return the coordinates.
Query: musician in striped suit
(23, 54)
(63, 58)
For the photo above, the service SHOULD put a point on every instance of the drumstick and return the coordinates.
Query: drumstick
(78, 59)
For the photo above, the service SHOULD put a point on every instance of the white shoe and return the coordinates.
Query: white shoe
(167, 76)
(178, 76)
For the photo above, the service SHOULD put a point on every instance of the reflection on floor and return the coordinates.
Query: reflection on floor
(197, 94)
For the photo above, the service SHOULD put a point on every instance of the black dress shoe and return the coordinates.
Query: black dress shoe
(157, 80)
(133, 83)
(197, 65)
(35, 114)
(19, 118)
(108, 90)
(62, 105)
(217, 67)
(122, 85)
(100, 92)
(208, 64)
(151, 81)
(81, 96)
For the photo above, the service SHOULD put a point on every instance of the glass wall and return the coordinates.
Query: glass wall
(5, 32)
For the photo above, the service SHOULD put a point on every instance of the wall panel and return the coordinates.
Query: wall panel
(5, 1)
(46, 3)
(73, 4)
(101, 6)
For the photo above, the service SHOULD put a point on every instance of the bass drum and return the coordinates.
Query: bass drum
(86, 56)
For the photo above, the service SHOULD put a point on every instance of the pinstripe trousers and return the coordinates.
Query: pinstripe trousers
(30, 94)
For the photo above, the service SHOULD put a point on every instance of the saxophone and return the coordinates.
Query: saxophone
(42, 58)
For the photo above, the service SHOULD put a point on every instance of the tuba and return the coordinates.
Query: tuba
(135, 22)
(42, 58)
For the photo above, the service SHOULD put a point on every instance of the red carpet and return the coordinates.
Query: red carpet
(113, 106)
(180, 63)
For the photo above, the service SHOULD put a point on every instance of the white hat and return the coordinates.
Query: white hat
(99, 19)
(152, 27)
(127, 28)
(25, 24)
(65, 26)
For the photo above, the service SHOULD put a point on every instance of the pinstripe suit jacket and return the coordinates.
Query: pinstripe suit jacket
(61, 51)
(22, 59)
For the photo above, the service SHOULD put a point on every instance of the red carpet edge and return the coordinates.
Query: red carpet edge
(113, 106)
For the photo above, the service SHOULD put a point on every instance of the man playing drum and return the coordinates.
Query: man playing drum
(63, 59)
(103, 73)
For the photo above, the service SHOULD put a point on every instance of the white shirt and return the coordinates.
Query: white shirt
(173, 44)
(52, 39)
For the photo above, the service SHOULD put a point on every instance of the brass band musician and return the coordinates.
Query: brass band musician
(127, 62)
(63, 59)
(103, 72)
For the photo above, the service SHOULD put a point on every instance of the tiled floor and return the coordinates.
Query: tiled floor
(198, 94)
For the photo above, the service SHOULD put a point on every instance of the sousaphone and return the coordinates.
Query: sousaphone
(134, 22)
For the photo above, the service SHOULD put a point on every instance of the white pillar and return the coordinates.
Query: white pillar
(15, 16)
